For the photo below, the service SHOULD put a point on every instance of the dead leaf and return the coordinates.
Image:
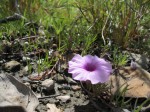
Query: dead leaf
(15, 93)
(52, 108)
(137, 82)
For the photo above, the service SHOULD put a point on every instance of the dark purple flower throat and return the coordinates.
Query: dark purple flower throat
(90, 67)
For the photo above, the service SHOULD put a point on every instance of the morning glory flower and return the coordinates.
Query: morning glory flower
(89, 68)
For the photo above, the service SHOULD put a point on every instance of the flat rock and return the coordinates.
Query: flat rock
(12, 66)
(137, 82)
(14, 93)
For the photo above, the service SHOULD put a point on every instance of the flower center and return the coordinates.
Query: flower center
(89, 67)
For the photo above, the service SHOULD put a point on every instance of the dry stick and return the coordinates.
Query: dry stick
(83, 13)
(15, 17)
(49, 72)
(53, 67)
(105, 25)
(29, 37)
(93, 24)
(49, 96)
(17, 6)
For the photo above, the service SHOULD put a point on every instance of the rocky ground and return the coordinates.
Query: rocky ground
(50, 86)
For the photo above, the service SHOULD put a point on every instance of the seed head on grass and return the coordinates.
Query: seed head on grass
(90, 68)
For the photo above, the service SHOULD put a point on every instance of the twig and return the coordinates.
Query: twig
(30, 37)
(83, 13)
(106, 24)
(49, 96)
(17, 6)
(31, 81)
(53, 68)
(93, 24)
(46, 73)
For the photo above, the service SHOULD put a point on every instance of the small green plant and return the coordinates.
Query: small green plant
(119, 59)
(119, 97)
(138, 109)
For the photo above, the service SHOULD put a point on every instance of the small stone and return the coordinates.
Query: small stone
(12, 66)
(28, 84)
(44, 101)
(66, 86)
(20, 75)
(64, 98)
(54, 46)
(26, 58)
(40, 61)
(38, 95)
(59, 78)
(71, 95)
(26, 43)
(52, 108)
(64, 91)
(6, 46)
(77, 95)
(25, 70)
(76, 88)
(2, 61)
(126, 110)
(48, 84)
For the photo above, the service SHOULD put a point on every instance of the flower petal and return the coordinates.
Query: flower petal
(82, 76)
(90, 68)
(98, 77)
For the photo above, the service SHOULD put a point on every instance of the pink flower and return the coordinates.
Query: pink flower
(90, 68)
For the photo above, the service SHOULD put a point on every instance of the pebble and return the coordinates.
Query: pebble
(77, 95)
(44, 101)
(20, 74)
(12, 66)
(1, 62)
(52, 108)
(25, 70)
(6, 46)
(40, 61)
(59, 78)
(65, 98)
(26, 58)
(28, 84)
(41, 108)
(76, 88)
(38, 95)
(66, 86)
(126, 110)
(64, 91)
(48, 84)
